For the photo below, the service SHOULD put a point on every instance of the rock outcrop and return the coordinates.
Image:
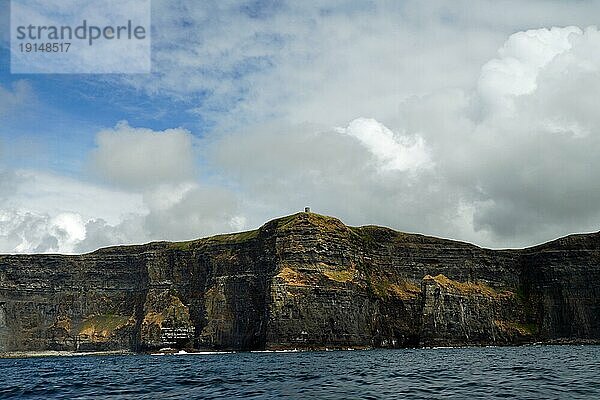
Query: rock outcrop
(304, 281)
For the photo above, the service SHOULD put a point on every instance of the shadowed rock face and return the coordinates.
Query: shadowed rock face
(302, 281)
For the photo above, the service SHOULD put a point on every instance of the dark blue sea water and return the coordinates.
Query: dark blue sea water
(531, 372)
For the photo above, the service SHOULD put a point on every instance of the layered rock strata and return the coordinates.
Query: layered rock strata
(304, 281)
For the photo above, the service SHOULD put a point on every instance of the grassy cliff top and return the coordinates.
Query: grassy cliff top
(278, 225)
(369, 234)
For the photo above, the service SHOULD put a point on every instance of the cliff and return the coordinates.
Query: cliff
(304, 281)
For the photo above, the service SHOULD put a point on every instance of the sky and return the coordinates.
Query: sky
(470, 120)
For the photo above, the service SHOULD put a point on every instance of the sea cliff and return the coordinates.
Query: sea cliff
(305, 281)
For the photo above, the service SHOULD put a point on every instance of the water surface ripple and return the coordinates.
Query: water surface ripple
(530, 372)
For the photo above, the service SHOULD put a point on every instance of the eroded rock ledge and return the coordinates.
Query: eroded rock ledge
(304, 281)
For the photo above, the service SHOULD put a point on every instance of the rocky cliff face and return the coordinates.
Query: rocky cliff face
(303, 281)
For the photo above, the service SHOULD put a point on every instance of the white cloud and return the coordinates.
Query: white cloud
(28, 232)
(138, 157)
(356, 59)
(535, 163)
(201, 211)
(522, 57)
(508, 176)
(394, 152)
(278, 171)
(101, 56)
(149, 193)
(42, 212)
(197, 211)
(46, 193)
(441, 128)
(328, 62)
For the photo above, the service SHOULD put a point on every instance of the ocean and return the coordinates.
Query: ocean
(527, 372)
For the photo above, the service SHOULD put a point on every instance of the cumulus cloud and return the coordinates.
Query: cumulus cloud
(536, 165)
(39, 233)
(149, 191)
(336, 174)
(42, 192)
(519, 171)
(394, 152)
(329, 62)
(460, 122)
(203, 210)
(42, 212)
(291, 59)
(49, 214)
(138, 157)
(195, 212)
(521, 59)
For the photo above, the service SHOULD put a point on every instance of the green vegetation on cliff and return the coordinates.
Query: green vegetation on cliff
(103, 325)
(301, 281)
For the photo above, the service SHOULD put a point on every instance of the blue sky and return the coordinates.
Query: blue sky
(65, 112)
(474, 121)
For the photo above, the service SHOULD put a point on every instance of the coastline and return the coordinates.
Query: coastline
(55, 353)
